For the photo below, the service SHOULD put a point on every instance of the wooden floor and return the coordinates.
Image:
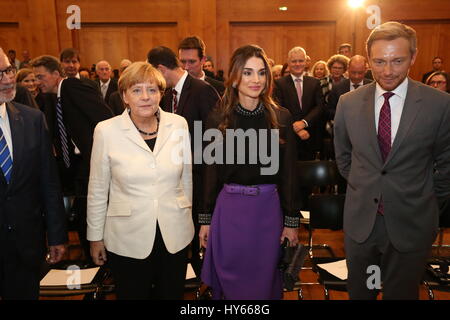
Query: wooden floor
(310, 291)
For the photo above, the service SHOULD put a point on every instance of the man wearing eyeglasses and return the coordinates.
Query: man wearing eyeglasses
(31, 205)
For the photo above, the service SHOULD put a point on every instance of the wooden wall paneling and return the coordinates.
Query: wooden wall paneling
(427, 44)
(316, 38)
(141, 39)
(263, 35)
(9, 38)
(105, 42)
(202, 22)
(41, 24)
(444, 44)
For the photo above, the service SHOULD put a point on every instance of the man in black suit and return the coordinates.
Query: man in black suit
(191, 53)
(107, 84)
(302, 96)
(357, 68)
(77, 108)
(437, 66)
(193, 99)
(31, 206)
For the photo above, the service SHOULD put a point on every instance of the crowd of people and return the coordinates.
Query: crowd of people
(111, 139)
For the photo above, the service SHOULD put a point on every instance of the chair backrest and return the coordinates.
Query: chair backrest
(317, 173)
(327, 211)
(444, 217)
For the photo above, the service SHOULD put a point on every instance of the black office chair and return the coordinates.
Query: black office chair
(327, 212)
(437, 275)
(316, 177)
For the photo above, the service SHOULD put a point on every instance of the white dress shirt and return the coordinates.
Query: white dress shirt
(58, 95)
(396, 102)
(360, 84)
(4, 124)
(104, 87)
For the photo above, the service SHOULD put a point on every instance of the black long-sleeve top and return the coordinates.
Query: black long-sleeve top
(249, 173)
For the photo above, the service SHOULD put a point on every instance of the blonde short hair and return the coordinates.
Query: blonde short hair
(391, 31)
(139, 72)
(313, 69)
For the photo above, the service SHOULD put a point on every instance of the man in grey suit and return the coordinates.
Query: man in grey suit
(392, 140)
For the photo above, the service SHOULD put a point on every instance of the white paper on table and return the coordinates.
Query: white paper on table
(305, 214)
(69, 277)
(190, 274)
(337, 268)
(436, 266)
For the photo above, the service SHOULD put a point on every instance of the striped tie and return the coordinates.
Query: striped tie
(175, 101)
(5, 157)
(62, 133)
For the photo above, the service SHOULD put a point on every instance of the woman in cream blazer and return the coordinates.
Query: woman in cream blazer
(140, 192)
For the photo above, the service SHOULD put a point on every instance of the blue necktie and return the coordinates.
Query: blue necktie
(62, 133)
(5, 157)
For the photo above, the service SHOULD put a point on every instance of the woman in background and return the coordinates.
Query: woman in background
(439, 80)
(320, 70)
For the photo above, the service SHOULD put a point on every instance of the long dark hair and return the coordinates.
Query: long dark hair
(231, 95)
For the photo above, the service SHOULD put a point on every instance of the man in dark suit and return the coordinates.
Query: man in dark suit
(77, 108)
(392, 141)
(437, 66)
(356, 72)
(31, 206)
(191, 52)
(302, 96)
(107, 84)
(193, 99)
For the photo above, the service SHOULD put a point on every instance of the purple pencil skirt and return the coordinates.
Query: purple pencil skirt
(243, 248)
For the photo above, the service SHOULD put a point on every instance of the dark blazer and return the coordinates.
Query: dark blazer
(415, 175)
(83, 107)
(31, 206)
(112, 87)
(116, 104)
(218, 85)
(338, 90)
(312, 109)
(197, 99)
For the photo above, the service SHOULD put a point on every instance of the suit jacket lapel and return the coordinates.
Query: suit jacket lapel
(369, 123)
(293, 98)
(409, 114)
(131, 133)
(163, 133)
(184, 95)
(17, 137)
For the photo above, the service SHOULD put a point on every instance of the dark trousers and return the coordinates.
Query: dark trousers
(401, 272)
(160, 276)
(18, 281)
(74, 182)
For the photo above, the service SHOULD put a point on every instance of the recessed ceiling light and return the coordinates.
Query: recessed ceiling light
(283, 8)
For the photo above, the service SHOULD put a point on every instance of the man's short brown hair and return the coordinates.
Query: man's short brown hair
(391, 31)
(193, 42)
(48, 62)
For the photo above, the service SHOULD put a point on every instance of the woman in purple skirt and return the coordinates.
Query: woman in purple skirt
(249, 184)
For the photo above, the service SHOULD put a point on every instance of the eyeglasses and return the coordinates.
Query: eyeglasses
(438, 83)
(10, 72)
